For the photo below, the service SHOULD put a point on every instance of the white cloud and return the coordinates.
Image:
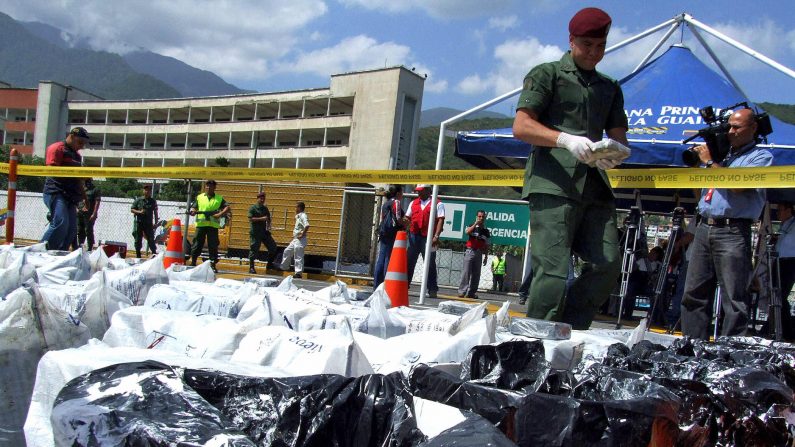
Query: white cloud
(514, 58)
(440, 9)
(360, 53)
(504, 23)
(764, 36)
(237, 40)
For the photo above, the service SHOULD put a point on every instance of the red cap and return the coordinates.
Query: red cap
(590, 22)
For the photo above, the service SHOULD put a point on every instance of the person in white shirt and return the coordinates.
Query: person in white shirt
(298, 244)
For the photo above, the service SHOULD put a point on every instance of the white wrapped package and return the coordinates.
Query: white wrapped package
(98, 260)
(57, 368)
(432, 320)
(198, 297)
(401, 353)
(30, 324)
(73, 267)
(91, 302)
(198, 336)
(337, 293)
(116, 262)
(201, 273)
(373, 319)
(134, 282)
(15, 273)
(304, 353)
(262, 282)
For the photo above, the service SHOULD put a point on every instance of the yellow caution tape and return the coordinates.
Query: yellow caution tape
(764, 177)
(494, 177)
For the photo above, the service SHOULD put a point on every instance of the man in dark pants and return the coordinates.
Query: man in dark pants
(721, 248)
(418, 218)
(563, 109)
(208, 208)
(786, 259)
(260, 217)
(87, 214)
(476, 247)
(145, 211)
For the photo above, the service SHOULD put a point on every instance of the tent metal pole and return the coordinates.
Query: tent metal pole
(652, 30)
(435, 194)
(755, 54)
(717, 61)
(668, 34)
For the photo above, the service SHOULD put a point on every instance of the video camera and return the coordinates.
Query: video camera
(716, 134)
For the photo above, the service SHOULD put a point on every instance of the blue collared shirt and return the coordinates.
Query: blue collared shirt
(786, 239)
(739, 204)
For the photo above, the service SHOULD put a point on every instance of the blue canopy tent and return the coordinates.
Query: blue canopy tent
(662, 100)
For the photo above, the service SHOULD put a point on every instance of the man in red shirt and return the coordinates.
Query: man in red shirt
(62, 194)
(477, 246)
(418, 216)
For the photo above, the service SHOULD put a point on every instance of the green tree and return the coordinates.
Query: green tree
(24, 183)
(222, 162)
(177, 190)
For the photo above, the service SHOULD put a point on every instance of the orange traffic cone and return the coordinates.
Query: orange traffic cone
(174, 254)
(396, 282)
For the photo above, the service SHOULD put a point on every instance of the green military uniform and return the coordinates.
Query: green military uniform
(85, 226)
(207, 226)
(143, 224)
(571, 204)
(260, 233)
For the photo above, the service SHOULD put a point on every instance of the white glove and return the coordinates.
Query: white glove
(580, 147)
(606, 163)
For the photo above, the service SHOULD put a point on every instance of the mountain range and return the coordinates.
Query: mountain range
(33, 51)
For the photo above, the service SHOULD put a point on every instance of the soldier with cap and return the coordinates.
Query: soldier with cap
(144, 210)
(260, 218)
(87, 214)
(62, 194)
(564, 108)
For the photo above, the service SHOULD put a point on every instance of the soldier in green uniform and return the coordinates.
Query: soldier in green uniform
(208, 208)
(260, 217)
(145, 211)
(563, 109)
(87, 214)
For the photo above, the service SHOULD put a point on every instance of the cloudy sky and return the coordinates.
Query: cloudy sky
(471, 50)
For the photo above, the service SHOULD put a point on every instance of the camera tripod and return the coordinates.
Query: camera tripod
(774, 285)
(632, 224)
(660, 294)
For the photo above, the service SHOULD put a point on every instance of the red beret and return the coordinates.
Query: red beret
(590, 22)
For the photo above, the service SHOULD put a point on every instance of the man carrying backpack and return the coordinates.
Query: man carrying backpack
(391, 222)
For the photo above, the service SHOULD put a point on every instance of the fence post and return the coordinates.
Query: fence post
(12, 194)
(342, 225)
(185, 246)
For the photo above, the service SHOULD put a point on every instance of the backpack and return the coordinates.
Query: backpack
(389, 225)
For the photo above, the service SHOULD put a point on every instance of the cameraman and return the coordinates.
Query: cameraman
(721, 249)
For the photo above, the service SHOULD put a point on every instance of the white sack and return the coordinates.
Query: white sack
(200, 273)
(197, 336)
(135, 282)
(73, 267)
(197, 297)
(304, 353)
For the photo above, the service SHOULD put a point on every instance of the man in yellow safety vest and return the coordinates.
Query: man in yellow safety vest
(208, 208)
(498, 272)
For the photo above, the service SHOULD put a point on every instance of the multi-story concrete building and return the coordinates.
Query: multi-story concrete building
(17, 117)
(364, 120)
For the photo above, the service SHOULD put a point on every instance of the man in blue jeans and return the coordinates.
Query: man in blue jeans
(418, 216)
(391, 222)
(62, 194)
